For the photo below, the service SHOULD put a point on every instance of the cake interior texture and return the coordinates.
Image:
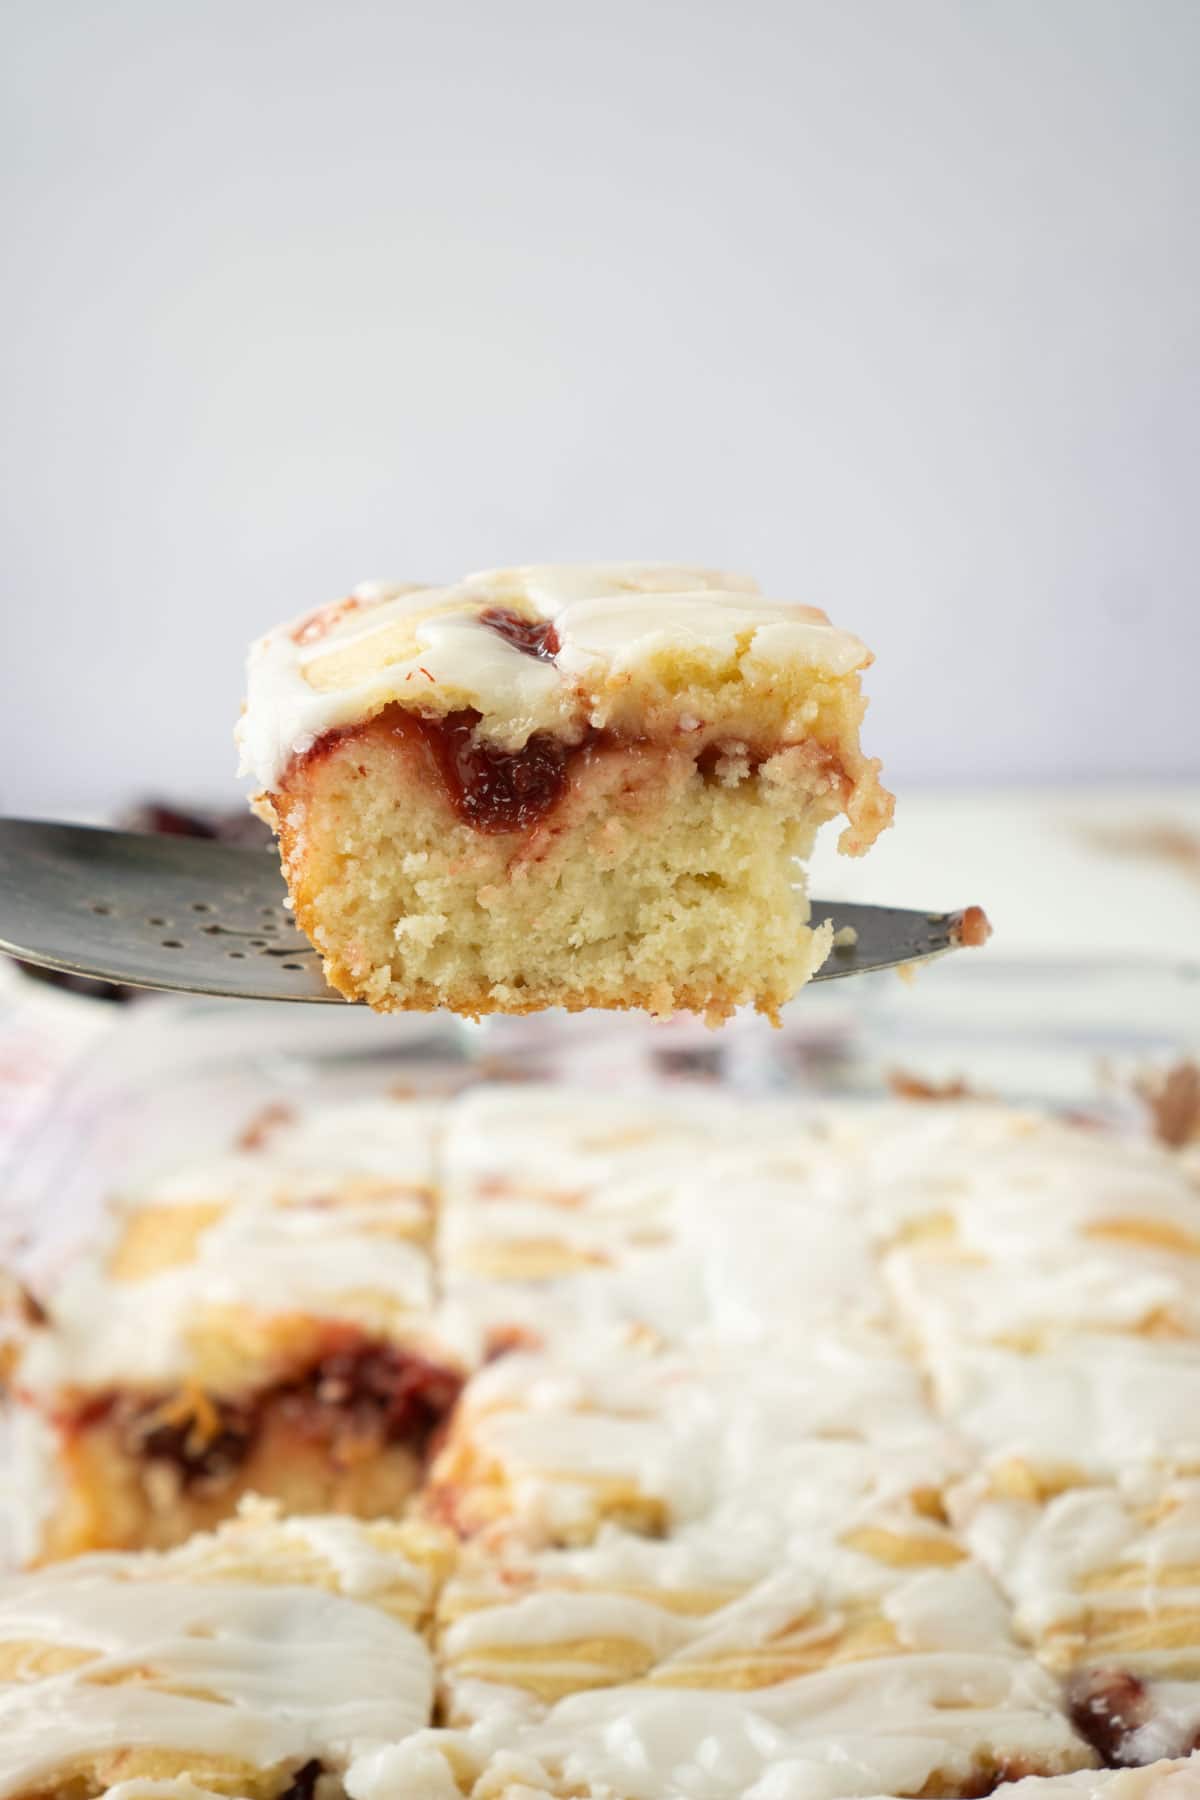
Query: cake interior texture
(654, 884)
(345, 1432)
(538, 823)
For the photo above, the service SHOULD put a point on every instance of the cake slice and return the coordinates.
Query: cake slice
(825, 1565)
(930, 1725)
(551, 1447)
(261, 1322)
(567, 1209)
(1105, 1585)
(255, 1664)
(575, 787)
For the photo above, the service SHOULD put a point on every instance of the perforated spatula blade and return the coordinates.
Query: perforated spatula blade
(206, 918)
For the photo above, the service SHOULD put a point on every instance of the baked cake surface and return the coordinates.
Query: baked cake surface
(554, 786)
(255, 1662)
(261, 1322)
(824, 1453)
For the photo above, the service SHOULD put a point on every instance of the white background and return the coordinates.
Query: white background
(893, 302)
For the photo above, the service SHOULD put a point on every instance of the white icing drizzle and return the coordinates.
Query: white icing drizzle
(683, 1427)
(874, 1728)
(610, 618)
(731, 1448)
(324, 1264)
(715, 1289)
(179, 1660)
(638, 1216)
(1105, 1562)
(301, 1229)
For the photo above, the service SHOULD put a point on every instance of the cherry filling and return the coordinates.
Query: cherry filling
(495, 790)
(359, 1396)
(1106, 1706)
(535, 637)
(491, 789)
(304, 1782)
(203, 1454)
(372, 1392)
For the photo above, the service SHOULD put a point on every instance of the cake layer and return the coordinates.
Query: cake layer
(634, 878)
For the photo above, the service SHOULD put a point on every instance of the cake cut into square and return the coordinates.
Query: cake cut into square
(1105, 1585)
(553, 786)
(259, 1322)
(255, 1664)
(928, 1725)
(631, 1212)
(819, 1451)
(552, 1447)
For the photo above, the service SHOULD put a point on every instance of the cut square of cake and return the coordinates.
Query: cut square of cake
(838, 1556)
(255, 1664)
(1105, 1585)
(638, 1213)
(925, 1726)
(552, 786)
(258, 1323)
(549, 1447)
(719, 1449)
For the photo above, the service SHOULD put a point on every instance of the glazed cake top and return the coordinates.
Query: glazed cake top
(540, 648)
(325, 1216)
(822, 1736)
(212, 1648)
(766, 1435)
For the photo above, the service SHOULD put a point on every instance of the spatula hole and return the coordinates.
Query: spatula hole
(98, 906)
(171, 944)
(236, 955)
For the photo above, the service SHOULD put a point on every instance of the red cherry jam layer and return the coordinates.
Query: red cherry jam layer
(358, 1394)
(495, 790)
(490, 789)
(534, 637)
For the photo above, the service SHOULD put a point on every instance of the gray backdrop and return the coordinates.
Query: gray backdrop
(892, 302)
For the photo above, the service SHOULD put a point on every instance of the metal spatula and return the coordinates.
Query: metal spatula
(207, 918)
